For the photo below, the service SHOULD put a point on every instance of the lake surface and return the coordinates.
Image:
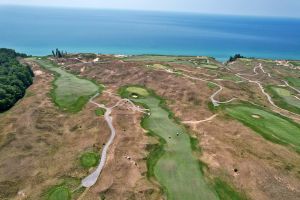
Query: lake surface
(37, 31)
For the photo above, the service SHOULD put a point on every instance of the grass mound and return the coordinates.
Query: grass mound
(89, 159)
(271, 126)
(100, 111)
(59, 193)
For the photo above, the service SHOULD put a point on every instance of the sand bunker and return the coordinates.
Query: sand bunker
(255, 116)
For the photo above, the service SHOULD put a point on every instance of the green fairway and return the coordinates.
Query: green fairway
(89, 159)
(70, 92)
(172, 162)
(285, 99)
(295, 82)
(60, 193)
(295, 63)
(271, 126)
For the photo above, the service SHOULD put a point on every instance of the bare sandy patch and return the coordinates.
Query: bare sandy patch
(38, 72)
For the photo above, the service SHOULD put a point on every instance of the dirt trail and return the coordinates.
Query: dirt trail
(212, 97)
(200, 121)
(91, 179)
(268, 96)
(287, 84)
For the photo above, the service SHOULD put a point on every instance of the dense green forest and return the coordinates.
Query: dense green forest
(235, 57)
(14, 78)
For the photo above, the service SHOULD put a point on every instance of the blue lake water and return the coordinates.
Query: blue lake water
(37, 31)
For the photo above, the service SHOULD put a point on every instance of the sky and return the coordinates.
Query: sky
(287, 8)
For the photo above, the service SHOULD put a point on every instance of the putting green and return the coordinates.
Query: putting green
(271, 126)
(70, 93)
(138, 91)
(89, 159)
(60, 193)
(173, 164)
(285, 99)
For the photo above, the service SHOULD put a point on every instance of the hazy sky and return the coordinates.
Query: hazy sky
(288, 8)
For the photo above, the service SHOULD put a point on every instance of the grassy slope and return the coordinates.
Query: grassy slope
(70, 93)
(271, 126)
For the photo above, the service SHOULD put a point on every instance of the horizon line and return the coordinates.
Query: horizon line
(158, 11)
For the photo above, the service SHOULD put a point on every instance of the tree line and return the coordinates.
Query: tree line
(58, 53)
(235, 57)
(15, 78)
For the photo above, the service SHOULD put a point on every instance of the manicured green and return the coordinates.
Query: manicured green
(60, 193)
(100, 111)
(172, 161)
(89, 159)
(269, 125)
(137, 90)
(284, 98)
(70, 93)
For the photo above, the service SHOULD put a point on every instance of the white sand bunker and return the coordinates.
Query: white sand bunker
(38, 72)
(255, 116)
